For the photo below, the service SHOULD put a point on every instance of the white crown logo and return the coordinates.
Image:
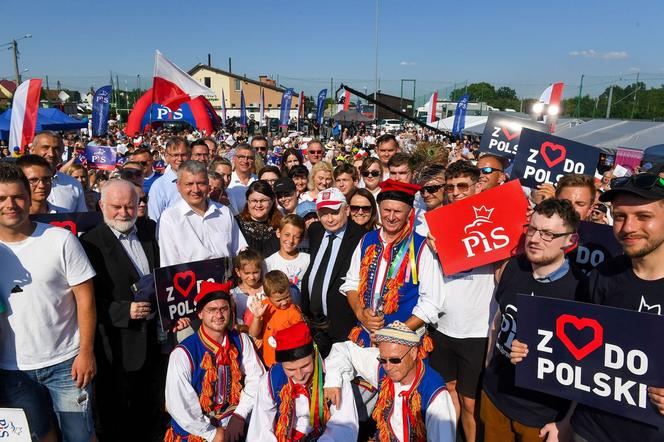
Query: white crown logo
(482, 213)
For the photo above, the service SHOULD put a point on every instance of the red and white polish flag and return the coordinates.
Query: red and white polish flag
(431, 108)
(552, 96)
(25, 107)
(171, 86)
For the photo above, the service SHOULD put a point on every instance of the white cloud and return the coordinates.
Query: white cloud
(407, 63)
(591, 53)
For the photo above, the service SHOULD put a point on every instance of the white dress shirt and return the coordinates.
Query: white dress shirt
(342, 426)
(134, 249)
(315, 273)
(67, 194)
(429, 274)
(182, 402)
(237, 191)
(347, 360)
(163, 194)
(185, 236)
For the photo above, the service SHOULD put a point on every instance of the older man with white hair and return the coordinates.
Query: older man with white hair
(196, 228)
(122, 250)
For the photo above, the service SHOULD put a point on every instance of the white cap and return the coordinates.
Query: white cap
(331, 198)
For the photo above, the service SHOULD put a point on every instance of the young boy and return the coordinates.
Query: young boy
(275, 313)
(248, 268)
(289, 259)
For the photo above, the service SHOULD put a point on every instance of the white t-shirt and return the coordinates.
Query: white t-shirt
(294, 268)
(468, 305)
(40, 328)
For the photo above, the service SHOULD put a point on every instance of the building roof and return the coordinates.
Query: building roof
(199, 66)
(9, 85)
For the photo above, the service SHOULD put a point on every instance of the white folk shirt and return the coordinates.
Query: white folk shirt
(342, 426)
(182, 401)
(429, 274)
(348, 360)
(185, 236)
(67, 194)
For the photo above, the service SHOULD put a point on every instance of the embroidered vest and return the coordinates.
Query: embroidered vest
(277, 380)
(428, 384)
(197, 346)
(408, 292)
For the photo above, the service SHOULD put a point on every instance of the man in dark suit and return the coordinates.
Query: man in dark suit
(332, 242)
(130, 381)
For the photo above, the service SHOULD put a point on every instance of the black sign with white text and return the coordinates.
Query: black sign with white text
(597, 243)
(178, 285)
(501, 134)
(582, 352)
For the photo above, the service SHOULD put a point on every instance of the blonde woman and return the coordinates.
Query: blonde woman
(320, 179)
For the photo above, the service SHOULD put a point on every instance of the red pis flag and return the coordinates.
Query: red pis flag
(25, 107)
(171, 86)
(481, 229)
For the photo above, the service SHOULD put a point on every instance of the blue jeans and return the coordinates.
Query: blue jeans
(45, 391)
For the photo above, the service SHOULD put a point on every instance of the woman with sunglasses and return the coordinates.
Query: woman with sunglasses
(363, 209)
(372, 174)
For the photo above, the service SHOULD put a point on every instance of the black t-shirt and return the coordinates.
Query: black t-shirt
(525, 406)
(614, 283)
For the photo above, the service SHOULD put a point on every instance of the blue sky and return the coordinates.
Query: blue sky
(522, 44)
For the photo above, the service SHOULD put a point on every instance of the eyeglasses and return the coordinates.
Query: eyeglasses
(261, 202)
(644, 181)
(371, 173)
(463, 187)
(357, 209)
(432, 189)
(46, 181)
(546, 235)
(488, 170)
(315, 152)
(393, 361)
(143, 199)
(246, 157)
(261, 148)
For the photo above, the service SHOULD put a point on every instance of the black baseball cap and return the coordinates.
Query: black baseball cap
(284, 186)
(645, 185)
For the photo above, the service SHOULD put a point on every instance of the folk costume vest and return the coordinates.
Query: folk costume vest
(284, 392)
(399, 293)
(428, 384)
(215, 376)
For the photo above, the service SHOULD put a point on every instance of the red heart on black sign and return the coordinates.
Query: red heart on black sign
(511, 135)
(184, 282)
(69, 225)
(579, 324)
(548, 147)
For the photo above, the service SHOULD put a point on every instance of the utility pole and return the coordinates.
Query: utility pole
(578, 100)
(47, 88)
(635, 91)
(16, 71)
(608, 106)
(376, 66)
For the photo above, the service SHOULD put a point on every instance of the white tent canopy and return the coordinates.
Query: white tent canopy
(609, 135)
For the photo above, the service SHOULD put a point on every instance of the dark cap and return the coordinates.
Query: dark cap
(645, 185)
(284, 186)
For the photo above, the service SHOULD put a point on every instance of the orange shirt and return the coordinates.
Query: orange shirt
(275, 319)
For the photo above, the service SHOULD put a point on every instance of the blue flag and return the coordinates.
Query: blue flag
(460, 115)
(101, 105)
(320, 106)
(284, 116)
(243, 111)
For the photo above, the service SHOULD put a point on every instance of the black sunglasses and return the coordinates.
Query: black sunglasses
(354, 208)
(143, 199)
(643, 181)
(431, 189)
(393, 361)
(372, 173)
(488, 170)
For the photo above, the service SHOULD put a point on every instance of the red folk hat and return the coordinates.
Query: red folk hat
(398, 191)
(293, 343)
(211, 291)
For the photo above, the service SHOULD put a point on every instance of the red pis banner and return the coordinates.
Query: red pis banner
(479, 230)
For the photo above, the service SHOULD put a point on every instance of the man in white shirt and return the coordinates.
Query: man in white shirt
(66, 191)
(413, 403)
(196, 228)
(243, 165)
(47, 332)
(164, 192)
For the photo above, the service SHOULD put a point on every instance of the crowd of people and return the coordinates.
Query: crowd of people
(338, 322)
